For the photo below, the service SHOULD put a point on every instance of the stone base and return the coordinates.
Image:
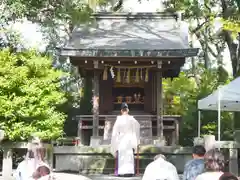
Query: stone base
(95, 141)
(146, 140)
(160, 142)
(198, 141)
(89, 160)
(209, 142)
(237, 135)
(106, 142)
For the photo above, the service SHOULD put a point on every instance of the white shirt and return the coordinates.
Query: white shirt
(25, 170)
(209, 175)
(47, 177)
(160, 169)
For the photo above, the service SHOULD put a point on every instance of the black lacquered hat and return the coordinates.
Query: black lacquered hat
(124, 106)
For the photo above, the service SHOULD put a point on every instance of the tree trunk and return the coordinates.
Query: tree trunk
(238, 55)
(237, 114)
(233, 50)
(232, 46)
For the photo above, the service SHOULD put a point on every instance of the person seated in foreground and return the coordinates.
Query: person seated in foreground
(43, 172)
(195, 166)
(214, 165)
(160, 169)
(228, 176)
(27, 167)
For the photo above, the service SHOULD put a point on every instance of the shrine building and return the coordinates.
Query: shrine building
(126, 56)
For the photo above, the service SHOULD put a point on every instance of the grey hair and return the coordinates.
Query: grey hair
(159, 156)
(214, 160)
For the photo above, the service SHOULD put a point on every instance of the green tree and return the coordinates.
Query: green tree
(181, 95)
(57, 20)
(233, 21)
(203, 14)
(178, 94)
(30, 94)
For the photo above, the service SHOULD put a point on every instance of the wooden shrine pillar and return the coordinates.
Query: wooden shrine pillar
(159, 100)
(95, 100)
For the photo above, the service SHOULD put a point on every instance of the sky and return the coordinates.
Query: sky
(31, 35)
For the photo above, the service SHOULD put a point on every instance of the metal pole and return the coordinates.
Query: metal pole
(219, 115)
(199, 123)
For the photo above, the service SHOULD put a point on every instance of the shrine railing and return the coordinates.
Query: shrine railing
(85, 121)
(148, 124)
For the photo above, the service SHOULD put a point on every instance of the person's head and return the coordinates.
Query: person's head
(198, 152)
(43, 170)
(214, 160)
(228, 176)
(124, 108)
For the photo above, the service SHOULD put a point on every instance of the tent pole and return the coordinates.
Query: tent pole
(219, 115)
(199, 123)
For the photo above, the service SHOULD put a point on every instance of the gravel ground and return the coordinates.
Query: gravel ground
(63, 176)
(111, 177)
(69, 176)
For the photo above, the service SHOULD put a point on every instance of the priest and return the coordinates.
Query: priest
(124, 142)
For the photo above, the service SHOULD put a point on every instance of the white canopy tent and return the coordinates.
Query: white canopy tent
(226, 98)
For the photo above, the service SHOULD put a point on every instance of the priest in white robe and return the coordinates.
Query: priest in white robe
(124, 142)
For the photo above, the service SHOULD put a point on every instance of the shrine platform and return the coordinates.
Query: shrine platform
(88, 160)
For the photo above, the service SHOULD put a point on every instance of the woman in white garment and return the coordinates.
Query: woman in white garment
(125, 140)
(27, 168)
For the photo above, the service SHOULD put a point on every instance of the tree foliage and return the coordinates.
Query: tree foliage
(201, 16)
(181, 95)
(232, 23)
(30, 93)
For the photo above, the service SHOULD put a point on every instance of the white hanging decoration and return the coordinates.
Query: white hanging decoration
(112, 72)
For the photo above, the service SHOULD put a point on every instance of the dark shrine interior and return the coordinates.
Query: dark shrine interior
(133, 96)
